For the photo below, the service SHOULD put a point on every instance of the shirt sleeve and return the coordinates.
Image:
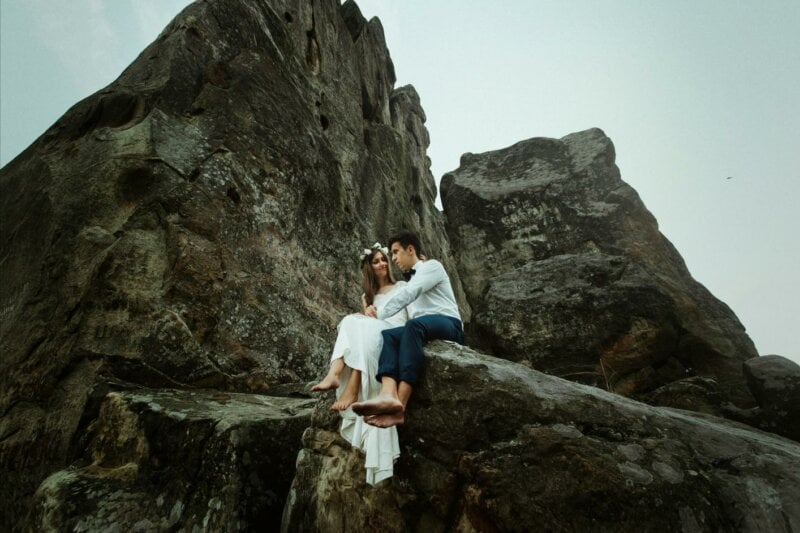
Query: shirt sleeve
(428, 274)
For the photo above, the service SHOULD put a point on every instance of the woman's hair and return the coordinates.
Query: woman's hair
(369, 281)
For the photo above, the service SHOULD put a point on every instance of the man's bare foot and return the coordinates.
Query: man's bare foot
(386, 421)
(382, 405)
(344, 401)
(331, 381)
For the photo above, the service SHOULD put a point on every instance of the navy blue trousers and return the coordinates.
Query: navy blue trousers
(402, 355)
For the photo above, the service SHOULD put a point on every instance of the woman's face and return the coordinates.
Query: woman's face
(380, 265)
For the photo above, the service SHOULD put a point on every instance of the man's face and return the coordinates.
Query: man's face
(403, 258)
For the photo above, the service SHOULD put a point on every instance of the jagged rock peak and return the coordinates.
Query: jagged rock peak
(568, 272)
(197, 223)
(532, 164)
(353, 18)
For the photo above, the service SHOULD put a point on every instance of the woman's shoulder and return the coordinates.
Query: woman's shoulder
(397, 284)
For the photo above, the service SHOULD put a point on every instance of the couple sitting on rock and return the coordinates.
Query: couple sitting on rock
(378, 354)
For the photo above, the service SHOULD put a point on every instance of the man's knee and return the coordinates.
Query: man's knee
(416, 325)
(394, 331)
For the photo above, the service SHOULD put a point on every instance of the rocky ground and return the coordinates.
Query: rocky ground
(491, 445)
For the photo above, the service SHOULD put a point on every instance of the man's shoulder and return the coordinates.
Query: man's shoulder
(432, 267)
(430, 264)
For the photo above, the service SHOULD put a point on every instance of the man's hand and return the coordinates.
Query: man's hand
(371, 311)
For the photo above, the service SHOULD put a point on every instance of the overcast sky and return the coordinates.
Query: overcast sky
(701, 99)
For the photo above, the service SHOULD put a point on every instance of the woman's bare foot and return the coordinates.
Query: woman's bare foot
(382, 405)
(331, 381)
(349, 393)
(345, 400)
(386, 421)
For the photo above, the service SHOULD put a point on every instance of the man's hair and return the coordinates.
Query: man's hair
(406, 238)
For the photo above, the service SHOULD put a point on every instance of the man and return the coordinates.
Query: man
(433, 315)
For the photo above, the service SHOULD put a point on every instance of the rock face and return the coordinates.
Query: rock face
(491, 445)
(198, 221)
(568, 272)
(775, 382)
(173, 460)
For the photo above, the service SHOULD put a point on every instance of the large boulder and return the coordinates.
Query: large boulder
(198, 221)
(567, 272)
(157, 460)
(775, 382)
(491, 445)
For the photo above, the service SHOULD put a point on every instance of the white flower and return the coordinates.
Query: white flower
(377, 246)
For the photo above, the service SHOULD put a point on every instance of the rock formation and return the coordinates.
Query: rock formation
(568, 272)
(491, 445)
(775, 382)
(167, 460)
(178, 248)
(197, 223)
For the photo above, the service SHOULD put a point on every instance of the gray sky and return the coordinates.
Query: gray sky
(691, 93)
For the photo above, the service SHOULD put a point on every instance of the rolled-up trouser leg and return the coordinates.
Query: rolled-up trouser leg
(389, 361)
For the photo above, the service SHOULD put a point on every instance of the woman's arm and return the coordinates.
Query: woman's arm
(363, 304)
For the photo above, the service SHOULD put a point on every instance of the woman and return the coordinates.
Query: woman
(354, 363)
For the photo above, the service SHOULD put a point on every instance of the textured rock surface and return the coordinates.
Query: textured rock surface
(568, 272)
(491, 445)
(775, 382)
(175, 460)
(694, 394)
(197, 222)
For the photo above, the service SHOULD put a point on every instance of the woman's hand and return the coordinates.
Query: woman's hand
(371, 311)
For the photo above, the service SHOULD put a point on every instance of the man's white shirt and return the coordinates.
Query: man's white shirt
(429, 290)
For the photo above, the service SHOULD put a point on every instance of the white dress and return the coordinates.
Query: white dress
(359, 341)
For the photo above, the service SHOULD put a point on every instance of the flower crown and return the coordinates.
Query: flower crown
(377, 246)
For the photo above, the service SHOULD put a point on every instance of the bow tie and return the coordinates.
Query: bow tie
(408, 275)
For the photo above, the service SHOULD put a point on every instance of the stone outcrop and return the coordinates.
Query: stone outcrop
(775, 382)
(568, 273)
(161, 460)
(197, 223)
(491, 445)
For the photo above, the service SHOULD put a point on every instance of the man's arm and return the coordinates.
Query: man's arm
(429, 274)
